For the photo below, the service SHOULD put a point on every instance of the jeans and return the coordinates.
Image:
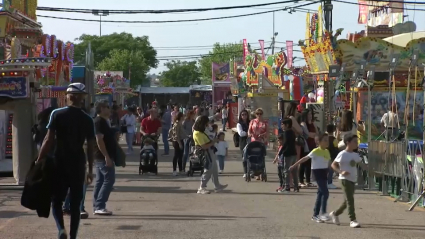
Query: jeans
(280, 173)
(105, 179)
(66, 205)
(224, 121)
(348, 188)
(330, 175)
(186, 152)
(322, 191)
(70, 178)
(221, 159)
(288, 161)
(178, 155)
(305, 169)
(129, 140)
(165, 141)
(212, 172)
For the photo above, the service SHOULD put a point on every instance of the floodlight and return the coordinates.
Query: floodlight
(394, 60)
(334, 70)
(414, 59)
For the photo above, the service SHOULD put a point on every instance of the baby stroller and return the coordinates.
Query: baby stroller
(255, 156)
(149, 158)
(195, 164)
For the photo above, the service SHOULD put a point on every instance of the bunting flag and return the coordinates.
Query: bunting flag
(245, 50)
(319, 24)
(307, 30)
(263, 54)
(363, 12)
(290, 52)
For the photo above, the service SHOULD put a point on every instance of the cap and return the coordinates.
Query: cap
(76, 88)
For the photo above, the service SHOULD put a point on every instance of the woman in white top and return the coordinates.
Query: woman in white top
(347, 126)
(242, 128)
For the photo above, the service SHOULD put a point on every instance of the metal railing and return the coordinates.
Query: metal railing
(397, 168)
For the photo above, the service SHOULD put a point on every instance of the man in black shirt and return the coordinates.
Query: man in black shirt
(70, 127)
(105, 152)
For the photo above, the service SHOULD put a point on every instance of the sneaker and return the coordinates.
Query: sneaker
(334, 218)
(62, 234)
(325, 218)
(220, 172)
(279, 189)
(175, 173)
(244, 175)
(203, 191)
(220, 188)
(285, 191)
(103, 212)
(302, 185)
(354, 224)
(84, 214)
(331, 186)
(316, 219)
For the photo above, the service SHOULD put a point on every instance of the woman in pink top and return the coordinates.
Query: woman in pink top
(258, 128)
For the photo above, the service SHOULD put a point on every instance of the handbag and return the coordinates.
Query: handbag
(236, 139)
(123, 127)
(120, 157)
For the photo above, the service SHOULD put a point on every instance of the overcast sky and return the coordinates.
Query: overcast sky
(206, 33)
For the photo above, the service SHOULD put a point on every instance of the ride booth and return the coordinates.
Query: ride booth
(112, 86)
(395, 164)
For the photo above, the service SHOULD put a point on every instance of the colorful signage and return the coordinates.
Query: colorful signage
(25, 7)
(14, 87)
(363, 12)
(272, 68)
(221, 73)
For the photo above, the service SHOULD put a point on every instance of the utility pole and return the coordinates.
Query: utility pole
(328, 87)
(100, 13)
(274, 38)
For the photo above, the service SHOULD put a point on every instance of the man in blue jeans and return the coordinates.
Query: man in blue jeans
(67, 209)
(104, 154)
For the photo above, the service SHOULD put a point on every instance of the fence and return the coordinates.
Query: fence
(396, 169)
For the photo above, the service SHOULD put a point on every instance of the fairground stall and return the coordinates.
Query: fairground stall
(111, 86)
(221, 93)
(200, 95)
(385, 73)
(32, 62)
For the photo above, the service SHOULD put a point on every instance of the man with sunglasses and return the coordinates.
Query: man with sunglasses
(104, 155)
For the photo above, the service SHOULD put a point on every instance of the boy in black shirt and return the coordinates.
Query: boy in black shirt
(69, 128)
(333, 150)
(289, 155)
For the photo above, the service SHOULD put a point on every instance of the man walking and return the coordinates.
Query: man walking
(69, 127)
(224, 116)
(104, 154)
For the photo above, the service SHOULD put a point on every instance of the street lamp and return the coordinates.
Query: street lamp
(100, 13)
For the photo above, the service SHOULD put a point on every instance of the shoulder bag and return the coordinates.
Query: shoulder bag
(123, 127)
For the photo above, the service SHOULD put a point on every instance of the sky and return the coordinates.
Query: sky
(169, 38)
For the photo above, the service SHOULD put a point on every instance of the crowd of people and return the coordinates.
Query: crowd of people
(304, 152)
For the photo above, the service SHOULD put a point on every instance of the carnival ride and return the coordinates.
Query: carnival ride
(372, 74)
(111, 86)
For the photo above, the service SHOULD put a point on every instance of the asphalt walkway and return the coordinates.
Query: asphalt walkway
(168, 207)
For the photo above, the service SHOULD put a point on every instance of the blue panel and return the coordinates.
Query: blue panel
(78, 72)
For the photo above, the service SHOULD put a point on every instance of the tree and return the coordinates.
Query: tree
(130, 62)
(104, 46)
(221, 53)
(180, 74)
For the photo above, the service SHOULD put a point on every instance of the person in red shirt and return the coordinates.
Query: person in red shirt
(151, 126)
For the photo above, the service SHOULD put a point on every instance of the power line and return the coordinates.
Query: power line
(371, 5)
(185, 20)
(90, 11)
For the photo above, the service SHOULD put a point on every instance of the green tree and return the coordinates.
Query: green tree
(180, 74)
(220, 53)
(130, 62)
(103, 46)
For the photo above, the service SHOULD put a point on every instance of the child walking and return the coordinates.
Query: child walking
(279, 159)
(320, 158)
(222, 151)
(333, 150)
(345, 164)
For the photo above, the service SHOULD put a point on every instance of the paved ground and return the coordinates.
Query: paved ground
(164, 206)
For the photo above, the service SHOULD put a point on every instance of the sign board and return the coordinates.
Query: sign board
(263, 95)
(14, 87)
